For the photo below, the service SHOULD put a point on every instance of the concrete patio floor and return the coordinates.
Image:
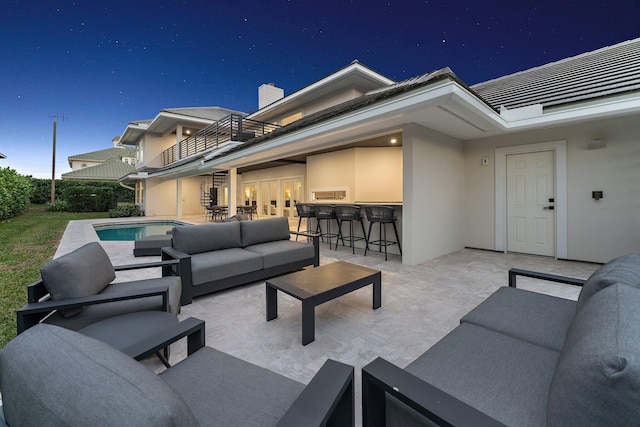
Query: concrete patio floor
(420, 305)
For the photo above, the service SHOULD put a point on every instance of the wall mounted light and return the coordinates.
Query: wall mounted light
(393, 140)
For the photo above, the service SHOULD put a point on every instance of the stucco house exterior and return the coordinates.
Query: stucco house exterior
(545, 161)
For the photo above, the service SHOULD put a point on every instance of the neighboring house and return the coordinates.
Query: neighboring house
(544, 161)
(103, 165)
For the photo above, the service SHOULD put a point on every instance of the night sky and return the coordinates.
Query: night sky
(106, 63)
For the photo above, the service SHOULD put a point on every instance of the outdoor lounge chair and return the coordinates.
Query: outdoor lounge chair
(53, 376)
(76, 290)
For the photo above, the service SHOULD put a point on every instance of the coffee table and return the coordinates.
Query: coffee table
(141, 334)
(318, 285)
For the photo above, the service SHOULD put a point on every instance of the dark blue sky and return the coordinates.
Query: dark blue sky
(104, 64)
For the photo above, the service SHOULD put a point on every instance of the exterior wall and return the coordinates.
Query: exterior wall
(597, 230)
(153, 146)
(310, 106)
(367, 174)
(433, 194)
(332, 171)
(378, 175)
(190, 195)
(331, 100)
(160, 197)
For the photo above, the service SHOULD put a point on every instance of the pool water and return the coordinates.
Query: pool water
(135, 230)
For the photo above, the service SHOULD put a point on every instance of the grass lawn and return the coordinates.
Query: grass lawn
(27, 242)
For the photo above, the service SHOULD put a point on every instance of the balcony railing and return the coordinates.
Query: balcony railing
(231, 128)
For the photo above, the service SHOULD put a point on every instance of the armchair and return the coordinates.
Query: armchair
(76, 290)
(53, 376)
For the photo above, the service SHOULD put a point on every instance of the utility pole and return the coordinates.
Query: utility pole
(53, 162)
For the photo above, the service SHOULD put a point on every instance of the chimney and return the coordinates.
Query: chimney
(268, 94)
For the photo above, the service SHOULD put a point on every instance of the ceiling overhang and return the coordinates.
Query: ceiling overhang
(166, 122)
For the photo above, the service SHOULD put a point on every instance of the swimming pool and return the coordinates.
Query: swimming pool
(134, 230)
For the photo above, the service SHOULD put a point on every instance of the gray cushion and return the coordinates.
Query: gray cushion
(216, 265)
(98, 312)
(53, 376)
(530, 316)
(597, 380)
(223, 390)
(195, 239)
(504, 377)
(264, 230)
(282, 252)
(624, 269)
(80, 273)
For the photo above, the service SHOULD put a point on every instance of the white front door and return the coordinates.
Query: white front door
(530, 203)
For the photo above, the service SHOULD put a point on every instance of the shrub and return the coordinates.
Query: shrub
(15, 192)
(124, 210)
(58, 206)
(42, 193)
(88, 198)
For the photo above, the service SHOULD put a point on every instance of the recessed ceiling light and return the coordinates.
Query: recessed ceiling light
(393, 140)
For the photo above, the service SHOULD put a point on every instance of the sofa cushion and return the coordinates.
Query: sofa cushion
(624, 269)
(237, 392)
(282, 252)
(597, 380)
(95, 313)
(530, 316)
(83, 272)
(216, 265)
(264, 230)
(504, 377)
(195, 239)
(53, 376)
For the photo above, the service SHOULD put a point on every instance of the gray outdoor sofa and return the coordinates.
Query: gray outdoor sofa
(53, 376)
(218, 256)
(525, 359)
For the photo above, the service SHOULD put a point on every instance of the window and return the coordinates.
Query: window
(329, 195)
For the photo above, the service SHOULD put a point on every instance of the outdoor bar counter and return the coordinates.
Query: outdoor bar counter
(375, 230)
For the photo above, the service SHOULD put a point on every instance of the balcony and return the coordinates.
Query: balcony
(231, 128)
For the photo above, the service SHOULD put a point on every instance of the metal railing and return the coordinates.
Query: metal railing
(231, 128)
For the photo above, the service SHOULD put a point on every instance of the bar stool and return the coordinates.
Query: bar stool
(382, 215)
(305, 210)
(327, 213)
(349, 213)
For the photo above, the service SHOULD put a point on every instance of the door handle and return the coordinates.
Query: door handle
(548, 208)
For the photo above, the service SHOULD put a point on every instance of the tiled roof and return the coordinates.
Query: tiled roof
(103, 155)
(111, 170)
(209, 113)
(612, 70)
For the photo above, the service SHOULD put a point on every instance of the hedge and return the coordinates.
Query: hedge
(15, 192)
(89, 198)
(42, 194)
